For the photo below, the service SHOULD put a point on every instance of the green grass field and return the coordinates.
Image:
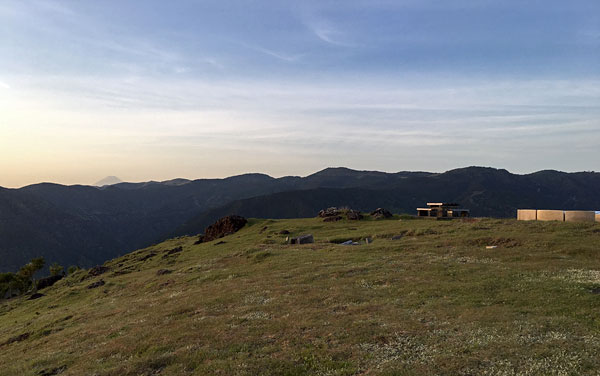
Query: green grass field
(435, 302)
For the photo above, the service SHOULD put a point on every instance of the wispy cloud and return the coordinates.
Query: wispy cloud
(290, 58)
(327, 32)
(78, 30)
(373, 111)
(323, 28)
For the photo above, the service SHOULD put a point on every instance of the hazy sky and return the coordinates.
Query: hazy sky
(154, 89)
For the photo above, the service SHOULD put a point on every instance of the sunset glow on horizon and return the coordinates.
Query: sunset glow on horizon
(153, 91)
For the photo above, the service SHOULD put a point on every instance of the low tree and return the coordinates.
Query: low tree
(72, 269)
(28, 271)
(12, 284)
(56, 269)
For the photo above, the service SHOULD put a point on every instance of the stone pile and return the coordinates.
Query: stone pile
(330, 212)
(354, 215)
(334, 214)
(223, 227)
(381, 213)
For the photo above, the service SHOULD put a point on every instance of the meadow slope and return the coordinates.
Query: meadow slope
(434, 302)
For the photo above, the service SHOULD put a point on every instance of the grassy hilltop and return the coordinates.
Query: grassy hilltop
(434, 302)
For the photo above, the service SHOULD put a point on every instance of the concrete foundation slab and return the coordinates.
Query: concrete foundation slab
(580, 216)
(526, 214)
(550, 215)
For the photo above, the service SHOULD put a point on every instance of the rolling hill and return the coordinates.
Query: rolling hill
(434, 302)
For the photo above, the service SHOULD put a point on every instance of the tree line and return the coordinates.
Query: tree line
(23, 281)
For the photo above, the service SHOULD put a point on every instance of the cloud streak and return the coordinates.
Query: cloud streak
(328, 34)
(326, 31)
(248, 113)
(278, 55)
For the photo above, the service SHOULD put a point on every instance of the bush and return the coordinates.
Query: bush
(27, 271)
(56, 269)
(12, 284)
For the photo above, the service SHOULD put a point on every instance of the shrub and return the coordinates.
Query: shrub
(56, 269)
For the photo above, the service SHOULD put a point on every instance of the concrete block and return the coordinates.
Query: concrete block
(580, 216)
(550, 215)
(526, 214)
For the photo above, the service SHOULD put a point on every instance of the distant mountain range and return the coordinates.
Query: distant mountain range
(86, 225)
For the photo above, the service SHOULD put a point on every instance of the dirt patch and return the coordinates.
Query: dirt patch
(122, 272)
(499, 242)
(66, 318)
(165, 284)
(52, 371)
(97, 270)
(147, 257)
(19, 338)
(96, 284)
(173, 251)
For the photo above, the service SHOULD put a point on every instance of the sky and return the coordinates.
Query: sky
(155, 90)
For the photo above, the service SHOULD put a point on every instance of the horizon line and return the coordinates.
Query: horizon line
(288, 176)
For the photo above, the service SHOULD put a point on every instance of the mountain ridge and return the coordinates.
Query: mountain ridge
(87, 225)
